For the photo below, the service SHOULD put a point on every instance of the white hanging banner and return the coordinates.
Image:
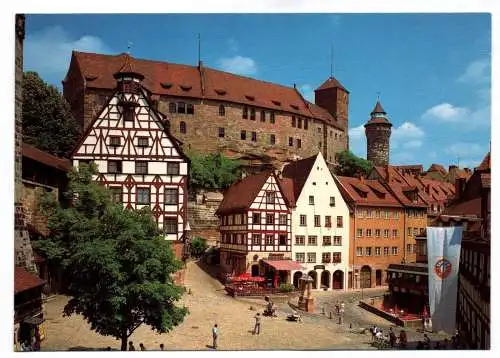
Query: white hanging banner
(443, 257)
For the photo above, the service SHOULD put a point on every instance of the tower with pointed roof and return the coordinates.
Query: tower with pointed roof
(334, 97)
(378, 134)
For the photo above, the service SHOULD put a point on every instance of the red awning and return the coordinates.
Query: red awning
(23, 280)
(283, 265)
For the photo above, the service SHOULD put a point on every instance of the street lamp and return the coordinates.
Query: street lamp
(187, 243)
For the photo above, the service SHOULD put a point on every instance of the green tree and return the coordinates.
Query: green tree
(47, 120)
(118, 265)
(351, 165)
(198, 246)
(213, 171)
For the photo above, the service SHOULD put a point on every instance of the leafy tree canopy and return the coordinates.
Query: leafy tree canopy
(198, 246)
(119, 267)
(213, 171)
(47, 120)
(351, 165)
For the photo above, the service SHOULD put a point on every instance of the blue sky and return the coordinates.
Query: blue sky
(432, 70)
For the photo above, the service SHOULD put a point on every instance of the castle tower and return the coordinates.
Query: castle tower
(378, 133)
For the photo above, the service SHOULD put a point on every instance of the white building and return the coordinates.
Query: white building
(136, 156)
(320, 223)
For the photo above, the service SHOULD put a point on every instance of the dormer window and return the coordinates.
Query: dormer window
(270, 197)
(250, 98)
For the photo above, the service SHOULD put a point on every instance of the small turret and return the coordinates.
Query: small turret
(378, 133)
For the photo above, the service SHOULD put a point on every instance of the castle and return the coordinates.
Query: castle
(261, 123)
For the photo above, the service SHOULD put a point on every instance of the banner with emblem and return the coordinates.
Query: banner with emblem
(443, 257)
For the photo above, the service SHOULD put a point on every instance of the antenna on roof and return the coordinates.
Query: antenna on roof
(129, 47)
(199, 48)
(332, 61)
(378, 96)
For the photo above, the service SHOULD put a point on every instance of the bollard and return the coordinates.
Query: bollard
(323, 311)
(330, 314)
(350, 325)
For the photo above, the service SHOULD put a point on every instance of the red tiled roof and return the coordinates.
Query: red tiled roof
(162, 78)
(351, 186)
(298, 171)
(378, 109)
(331, 82)
(437, 168)
(470, 207)
(284, 265)
(128, 68)
(240, 195)
(23, 280)
(288, 191)
(486, 163)
(437, 191)
(45, 158)
(415, 167)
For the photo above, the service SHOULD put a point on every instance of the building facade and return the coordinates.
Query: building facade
(211, 110)
(136, 156)
(320, 223)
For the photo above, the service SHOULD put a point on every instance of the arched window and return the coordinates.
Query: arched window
(182, 128)
(222, 110)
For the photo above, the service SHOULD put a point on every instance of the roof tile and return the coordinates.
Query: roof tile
(23, 280)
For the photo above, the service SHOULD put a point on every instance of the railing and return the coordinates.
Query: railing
(235, 291)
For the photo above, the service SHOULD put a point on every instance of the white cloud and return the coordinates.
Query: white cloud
(476, 72)
(307, 92)
(413, 144)
(446, 112)
(49, 51)
(357, 141)
(232, 45)
(238, 64)
(466, 150)
(407, 131)
(402, 158)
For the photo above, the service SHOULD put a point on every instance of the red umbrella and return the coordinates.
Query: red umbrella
(424, 313)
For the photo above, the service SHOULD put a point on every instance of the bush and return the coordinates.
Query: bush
(198, 246)
(286, 287)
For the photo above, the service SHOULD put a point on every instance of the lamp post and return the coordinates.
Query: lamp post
(187, 241)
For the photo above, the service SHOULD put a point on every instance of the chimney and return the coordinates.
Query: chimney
(450, 167)
(459, 188)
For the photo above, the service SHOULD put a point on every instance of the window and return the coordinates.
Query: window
(262, 116)
(377, 232)
(190, 108)
(300, 257)
(256, 239)
(332, 201)
(386, 233)
(327, 240)
(408, 247)
(245, 112)
(299, 143)
(222, 110)
(395, 214)
(359, 251)
(305, 123)
(415, 231)
(252, 114)
(272, 139)
(254, 136)
(283, 219)
(181, 107)
(173, 168)
(319, 129)
(128, 113)
(270, 197)
(269, 239)
(290, 141)
(359, 232)
(386, 251)
(409, 231)
(269, 219)
(386, 214)
(303, 221)
(377, 214)
(394, 250)
(368, 232)
(172, 108)
(395, 233)
(311, 200)
(114, 166)
(340, 222)
(326, 257)
(311, 257)
(243, 135)
(360, 213)
(143, 196)
(319, 145)
(328, 221)
(293, 122)
(282, 240)
(114, 141)
(182, 127)
(368, 251)
(141, 167)
(142, 141)
(272, 119)
(335, 136)
(337, 257)
(171, 196)
(317, 220)
(299, 124)
(377, 251)
(256, 218)
(369, 214)
(312, 240)
(300, 240)
(337, 241)
(170, 226)
(221, 132)
(116, 194)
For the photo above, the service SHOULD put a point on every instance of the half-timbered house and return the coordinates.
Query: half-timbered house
(137, 157)
(255, 229)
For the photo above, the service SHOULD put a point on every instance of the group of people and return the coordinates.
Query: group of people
(142, 347)
(31, 343)
(400, 341)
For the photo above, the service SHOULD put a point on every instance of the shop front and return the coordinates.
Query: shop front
(278, 272)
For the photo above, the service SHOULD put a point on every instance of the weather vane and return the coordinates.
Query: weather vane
(378, 96)
(129, 46)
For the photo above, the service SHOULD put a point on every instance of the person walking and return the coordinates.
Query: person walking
(162, 347)
(215, 336)
(427, 341)
(392, 338)
(131, 346)
(341, 312)
(256, 329)
(141, 346)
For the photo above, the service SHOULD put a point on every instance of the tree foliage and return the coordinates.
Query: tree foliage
(198, 246)
(213, 171)
(119, 267)
(47, 120)
(351, 165)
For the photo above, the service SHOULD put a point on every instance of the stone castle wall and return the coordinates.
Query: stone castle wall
(377, 138)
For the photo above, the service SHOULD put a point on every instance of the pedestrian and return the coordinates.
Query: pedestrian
(215, 335)
(341, 312)
(445, 343)
(131, 346)
(142, 346)
(427, 341)
(108, 348)
(420, 345)
(256, 329)
(162, 347)
(392, 338)
(403, 339)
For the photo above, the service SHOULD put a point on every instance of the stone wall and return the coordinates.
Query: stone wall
(202, 219)
(30, 200)
(377, 138)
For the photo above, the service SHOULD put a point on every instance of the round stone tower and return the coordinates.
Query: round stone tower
(378, 134)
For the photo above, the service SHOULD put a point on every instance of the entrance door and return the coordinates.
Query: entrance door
(296, 276)
(255, 270)
(349, 281)
(338, 280)
(378, 277)
(366, 277)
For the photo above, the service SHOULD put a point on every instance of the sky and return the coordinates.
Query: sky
(432, 72)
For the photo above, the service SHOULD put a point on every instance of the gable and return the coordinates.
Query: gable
(270, 190)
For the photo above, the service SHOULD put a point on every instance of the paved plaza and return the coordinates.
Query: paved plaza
(208, 304)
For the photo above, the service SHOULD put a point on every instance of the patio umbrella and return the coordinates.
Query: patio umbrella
(424, 313)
